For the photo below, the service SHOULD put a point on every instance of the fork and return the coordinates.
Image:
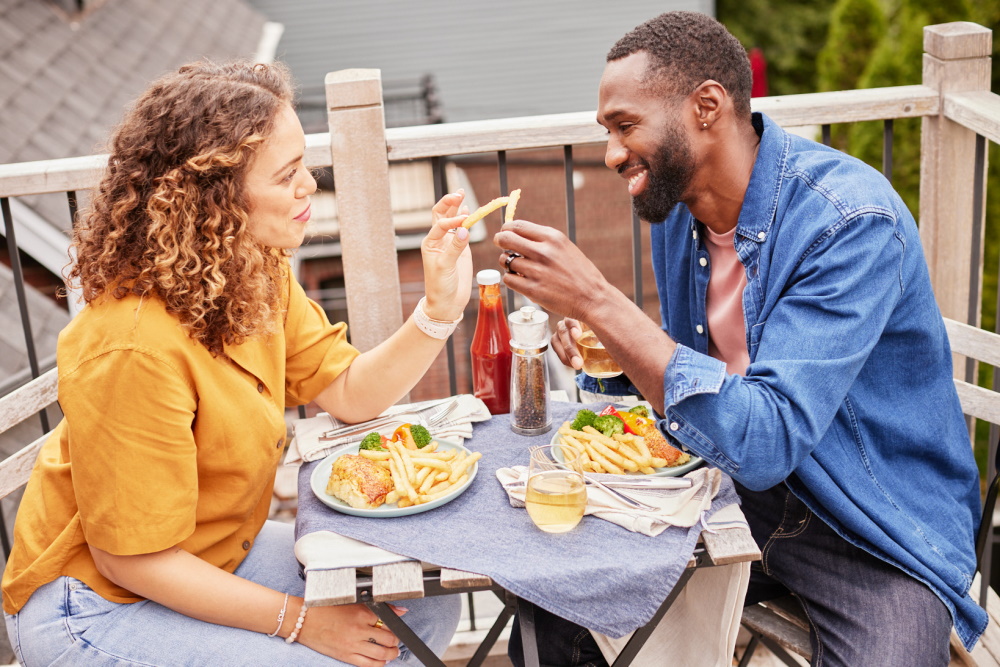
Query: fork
(440, 415)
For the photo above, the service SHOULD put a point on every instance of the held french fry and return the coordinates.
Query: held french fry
(512, 205)
(484, 211)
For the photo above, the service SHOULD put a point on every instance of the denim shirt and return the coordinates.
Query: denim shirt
(849, 397)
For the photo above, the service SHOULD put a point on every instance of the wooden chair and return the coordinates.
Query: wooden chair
(781, 625)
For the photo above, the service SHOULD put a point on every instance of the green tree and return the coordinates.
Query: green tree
(790, 33)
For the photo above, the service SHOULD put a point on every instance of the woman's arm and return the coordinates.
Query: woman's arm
(183, 582)
(381, 376)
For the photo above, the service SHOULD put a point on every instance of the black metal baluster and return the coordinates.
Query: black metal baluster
(437, 167)
(826, 135)
(22, 298)
(887, 149)
(637, 259)
(570, 193)
(508, 294)
(977, 232)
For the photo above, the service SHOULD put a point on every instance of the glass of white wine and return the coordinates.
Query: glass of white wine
(597, 363)
(557, 492)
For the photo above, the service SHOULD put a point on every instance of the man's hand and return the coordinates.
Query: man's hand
(551, 270)
(564, 343)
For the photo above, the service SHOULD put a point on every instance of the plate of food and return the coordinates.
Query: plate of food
(383, 477)
(624, 442)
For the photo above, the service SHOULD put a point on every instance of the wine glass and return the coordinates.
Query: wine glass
(597, 363)
(557, 492)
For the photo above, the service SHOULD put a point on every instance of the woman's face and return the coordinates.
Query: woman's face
(278, 185)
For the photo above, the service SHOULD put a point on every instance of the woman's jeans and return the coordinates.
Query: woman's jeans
(66, 623)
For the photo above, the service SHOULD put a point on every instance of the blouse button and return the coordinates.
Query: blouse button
(703, 261)
(761, 236)
(260, 387)
(700, 329)
(694, 234)
(674, 426)
(281, 441)
(246, 545)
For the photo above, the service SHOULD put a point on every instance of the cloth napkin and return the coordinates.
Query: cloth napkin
(675, 507)
(306, 446)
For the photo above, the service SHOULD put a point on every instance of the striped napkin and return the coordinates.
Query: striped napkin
(306, 446)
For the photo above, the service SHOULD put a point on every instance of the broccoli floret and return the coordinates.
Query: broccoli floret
(609, 425)
(640, 410)
(421, 436)
(372, 441)
(583, 418)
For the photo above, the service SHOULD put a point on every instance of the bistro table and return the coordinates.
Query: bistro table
(480, 531)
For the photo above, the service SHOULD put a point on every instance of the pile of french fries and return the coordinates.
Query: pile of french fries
(422, 475)
(617, 455)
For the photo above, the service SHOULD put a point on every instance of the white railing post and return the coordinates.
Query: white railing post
(367, 237)
(956, 59)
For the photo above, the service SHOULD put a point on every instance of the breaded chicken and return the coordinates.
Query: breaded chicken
(660, 448)
(359, 482)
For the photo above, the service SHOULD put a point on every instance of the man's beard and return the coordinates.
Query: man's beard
(670, 173)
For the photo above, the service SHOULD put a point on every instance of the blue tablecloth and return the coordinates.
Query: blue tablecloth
(598, 575)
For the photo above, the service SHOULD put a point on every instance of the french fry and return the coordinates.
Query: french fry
(461, 466)
(601, 443)
(426, 483)
(404, 455)
(374, 455)
(640, 444)
(484, 211)
(404, 502)
(398, 471)
(443, 475)
(392, 496)
(512, 205)
(448, 489)
(646, 470)
(422, 474)
(659, 463)
(429, 463)
(601, 459)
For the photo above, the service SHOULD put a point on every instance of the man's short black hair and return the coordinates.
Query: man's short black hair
(686, 49)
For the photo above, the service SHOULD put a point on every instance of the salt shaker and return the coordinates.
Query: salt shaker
(529, 376)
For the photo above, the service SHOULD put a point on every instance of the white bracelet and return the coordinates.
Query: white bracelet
(281, 617)
(439, 329)
(298, 624)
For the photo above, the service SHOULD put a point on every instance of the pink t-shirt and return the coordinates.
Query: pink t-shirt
(727, 338)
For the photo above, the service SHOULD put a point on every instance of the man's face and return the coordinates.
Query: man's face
(647, 143)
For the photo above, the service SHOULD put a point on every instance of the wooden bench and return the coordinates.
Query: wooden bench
(781, 626)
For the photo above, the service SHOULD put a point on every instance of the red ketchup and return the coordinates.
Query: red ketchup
(491, 346)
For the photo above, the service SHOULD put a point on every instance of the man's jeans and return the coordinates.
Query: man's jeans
(862, 611)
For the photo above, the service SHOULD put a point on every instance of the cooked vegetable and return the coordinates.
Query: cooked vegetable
(372, 441)
(583, 418)
(609, 425)
(421, 436)
(641, 410)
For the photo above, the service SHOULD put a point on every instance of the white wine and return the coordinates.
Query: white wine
(555, 500)
(597, 363)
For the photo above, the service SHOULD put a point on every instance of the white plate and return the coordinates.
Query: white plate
(321, 475)
(675, 471)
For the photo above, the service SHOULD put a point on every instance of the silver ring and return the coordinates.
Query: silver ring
(511, 256)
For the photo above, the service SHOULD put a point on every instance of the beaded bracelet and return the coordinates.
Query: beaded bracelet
(439, 329)
(298, 624)
(281, 617)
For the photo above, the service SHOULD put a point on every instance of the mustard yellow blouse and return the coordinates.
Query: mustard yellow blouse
(162, 443)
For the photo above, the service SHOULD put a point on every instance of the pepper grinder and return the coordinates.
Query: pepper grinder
(529, 376)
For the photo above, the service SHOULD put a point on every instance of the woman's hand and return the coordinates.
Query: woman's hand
(447, 260)
(564, 343)
(345, 632)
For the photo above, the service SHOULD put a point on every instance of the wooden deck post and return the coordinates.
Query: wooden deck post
(956, 59)
(367, 237)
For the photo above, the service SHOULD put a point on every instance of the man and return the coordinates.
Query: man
(801, 349)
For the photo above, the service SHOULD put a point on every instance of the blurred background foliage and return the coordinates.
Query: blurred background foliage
(819, 45)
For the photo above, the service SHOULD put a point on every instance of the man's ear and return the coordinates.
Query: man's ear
(708, 99)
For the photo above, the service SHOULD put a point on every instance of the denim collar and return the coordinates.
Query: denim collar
(761, 199)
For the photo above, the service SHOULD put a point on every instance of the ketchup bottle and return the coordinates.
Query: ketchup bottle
(491, 346)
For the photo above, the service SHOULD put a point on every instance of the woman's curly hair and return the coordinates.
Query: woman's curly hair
(169, 218)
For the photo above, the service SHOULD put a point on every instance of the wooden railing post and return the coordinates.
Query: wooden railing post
(956, 59)
(367, 237)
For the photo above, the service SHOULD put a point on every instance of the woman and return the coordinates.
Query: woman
(142, 537)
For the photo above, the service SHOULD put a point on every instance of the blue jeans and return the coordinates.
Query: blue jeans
(861, 610)
(66, 623)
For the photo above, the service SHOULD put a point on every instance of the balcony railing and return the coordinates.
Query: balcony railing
(959, 116)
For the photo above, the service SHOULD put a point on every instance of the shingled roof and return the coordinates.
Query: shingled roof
(65, 80)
